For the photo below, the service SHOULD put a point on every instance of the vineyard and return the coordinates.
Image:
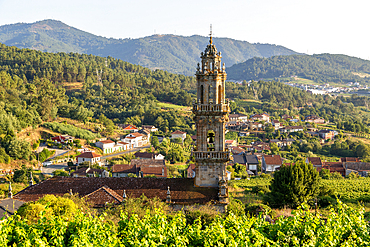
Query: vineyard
(343, 227)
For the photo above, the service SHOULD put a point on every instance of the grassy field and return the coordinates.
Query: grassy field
(250, 102)
(172, 106)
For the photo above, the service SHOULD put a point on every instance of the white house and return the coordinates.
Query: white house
(90, 157)
(151, 128)
(109, 146)
(178, 134)
(134, 140)
(261, 117)
(271, 162)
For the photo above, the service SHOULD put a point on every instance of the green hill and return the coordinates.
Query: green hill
(176, 54)
(321, 68)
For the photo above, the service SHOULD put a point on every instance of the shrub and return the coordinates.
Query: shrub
(254, 209)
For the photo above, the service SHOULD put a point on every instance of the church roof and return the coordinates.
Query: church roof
(182, 190)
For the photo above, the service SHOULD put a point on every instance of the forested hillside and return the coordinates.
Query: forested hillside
(321, 68)
(172, 53)
(36, 86)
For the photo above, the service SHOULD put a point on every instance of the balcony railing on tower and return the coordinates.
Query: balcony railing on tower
(210, 109)
(212, 156)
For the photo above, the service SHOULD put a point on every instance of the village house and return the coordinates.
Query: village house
(236, 150)
(315, 161)
(314, 119)
(109, 146)
(178, 134)
(231, 143)
(287, 117)
(151, 128)
(123, 170)
(276, 124)
(238, 118)
(191, 171)
(271, 162)
(91, 157)
(243, 133)
(62, 139)
(252, 163)
(261, 117)
(291, 129)
(90, 172)
(146, 135)
(151, 156)
(135, 140)
(128, 127)
(288, 142)
(255, 125)
(326, 134)
(333, 167)
(141, 168)
(278, 142)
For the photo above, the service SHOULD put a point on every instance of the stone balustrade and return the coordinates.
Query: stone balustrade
(210, 109)
(212, 156)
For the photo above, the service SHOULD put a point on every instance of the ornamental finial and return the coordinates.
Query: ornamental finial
(210, 35)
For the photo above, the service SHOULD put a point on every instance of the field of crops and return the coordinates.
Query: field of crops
(343, 227)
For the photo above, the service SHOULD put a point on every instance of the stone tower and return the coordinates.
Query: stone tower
(211, 113)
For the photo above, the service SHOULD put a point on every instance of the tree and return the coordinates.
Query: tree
(154, 141)
(60, 173)
(19, 149)
(325, 173)
(362, 150)
(274, 148)
(293, 185)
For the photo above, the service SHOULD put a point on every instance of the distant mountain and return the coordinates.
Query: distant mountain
(321, 68)
(177, 54)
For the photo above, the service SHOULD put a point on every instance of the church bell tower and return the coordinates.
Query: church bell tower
(211, 114)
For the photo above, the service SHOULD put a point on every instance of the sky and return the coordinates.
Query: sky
(311, 27)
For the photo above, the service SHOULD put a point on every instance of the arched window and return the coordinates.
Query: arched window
(219, 94)
(201, 94)
(211, 140)
(210, 94)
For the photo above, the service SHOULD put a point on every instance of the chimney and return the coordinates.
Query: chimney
(31, 179)
(124, 196)
(10, 193)
(168, 198)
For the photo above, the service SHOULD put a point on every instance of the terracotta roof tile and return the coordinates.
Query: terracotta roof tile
(177, 132)
(125, 168)
(107, 141)
(349, 159)
(88, 155)
(182, 190)
(103, 195)
(315, 161)
(273, 159)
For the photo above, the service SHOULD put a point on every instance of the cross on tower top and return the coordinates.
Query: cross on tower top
(210, 35)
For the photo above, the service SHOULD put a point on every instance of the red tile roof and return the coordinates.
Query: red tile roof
(273, 159)
(145, 155)
(107, 141)
(349, 159)
(88, 155)
(128, 127)
(125, 168)
(177, 132)
(102, 196)
(87, 170)
(316, 161)
(182, 190)
(136, 134)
